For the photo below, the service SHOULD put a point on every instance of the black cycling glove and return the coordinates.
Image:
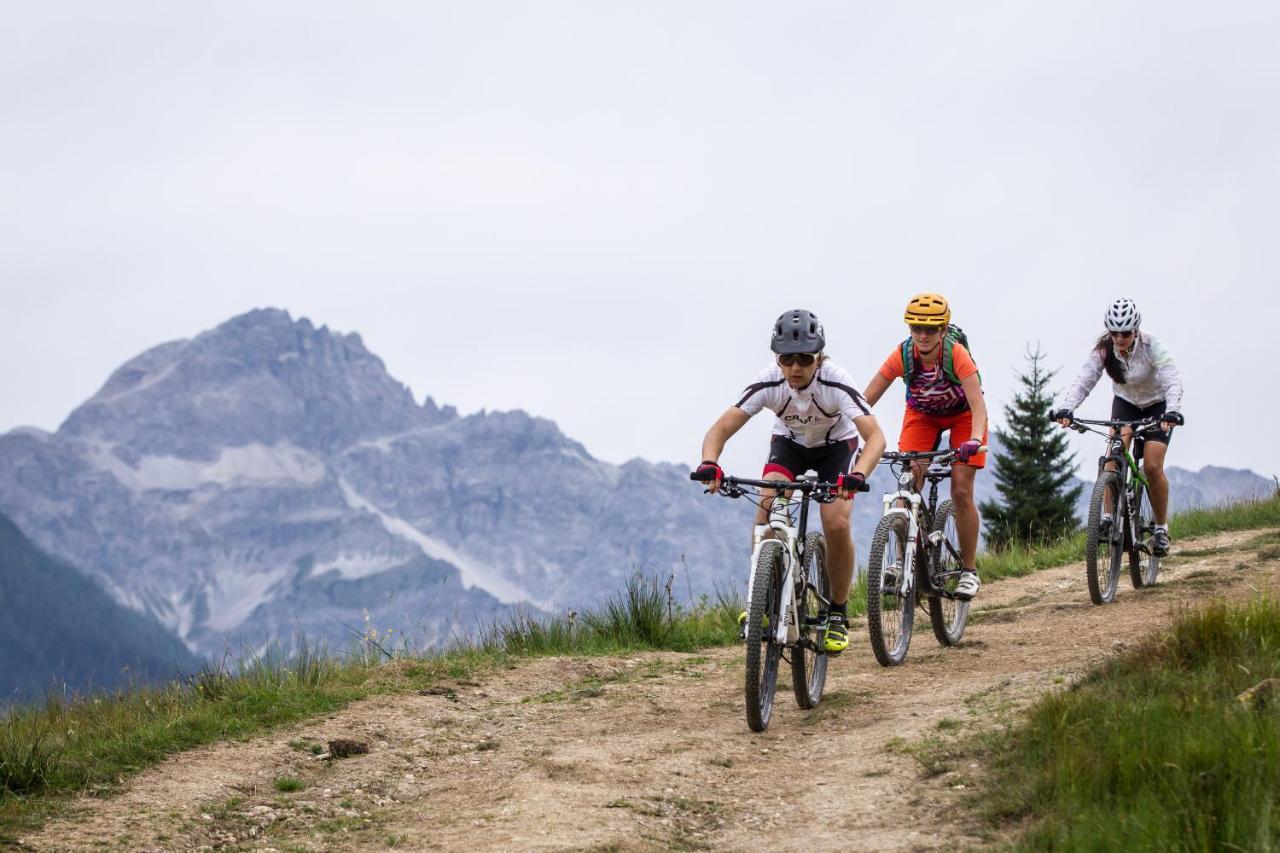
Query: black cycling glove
(855, 482)
(708, 472)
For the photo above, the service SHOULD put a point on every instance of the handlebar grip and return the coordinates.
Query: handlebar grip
(852, 483)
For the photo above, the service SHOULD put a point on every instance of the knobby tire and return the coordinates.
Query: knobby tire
(763, 654)
(1143, 567)
(808, 668)
(948, 615)
(1102, 557)
(890, 615)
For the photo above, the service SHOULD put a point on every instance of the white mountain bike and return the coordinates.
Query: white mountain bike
(788, 595)
(915, 552)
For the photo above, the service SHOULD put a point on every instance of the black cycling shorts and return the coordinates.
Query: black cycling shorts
(792, 459)
(1123, 410)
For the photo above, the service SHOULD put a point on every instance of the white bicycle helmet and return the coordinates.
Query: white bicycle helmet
(1122, 316)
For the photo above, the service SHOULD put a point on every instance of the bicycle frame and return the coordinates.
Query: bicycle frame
(1126, 461)
(1126, 467)
(786, 632)
(919, 517)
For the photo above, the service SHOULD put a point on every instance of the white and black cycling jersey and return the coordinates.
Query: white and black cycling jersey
(821, 412)
(1150, 376)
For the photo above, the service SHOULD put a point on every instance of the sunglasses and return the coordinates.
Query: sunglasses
(1121, 334)
(925, 330)
(804, 359)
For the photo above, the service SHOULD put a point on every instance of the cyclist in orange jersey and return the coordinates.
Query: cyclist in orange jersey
(944, 394)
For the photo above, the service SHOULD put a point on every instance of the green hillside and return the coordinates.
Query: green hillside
(58, 628)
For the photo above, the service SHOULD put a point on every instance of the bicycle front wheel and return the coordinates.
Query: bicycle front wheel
(948, 615)
(1102, 554)
(808, 668)
(762, 652)
(1143, 565)
(890, 612)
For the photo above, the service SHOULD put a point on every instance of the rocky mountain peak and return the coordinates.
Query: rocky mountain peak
(262, 377)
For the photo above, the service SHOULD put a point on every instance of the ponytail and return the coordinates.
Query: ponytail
(1110, 360)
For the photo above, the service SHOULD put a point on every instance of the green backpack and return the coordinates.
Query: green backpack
(954, 335)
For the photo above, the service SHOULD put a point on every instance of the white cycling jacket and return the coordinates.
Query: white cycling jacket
(818, 414)
(1150, 376)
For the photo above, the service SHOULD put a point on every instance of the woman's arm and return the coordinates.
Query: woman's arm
(721, 431)
(1090, 373)
(876, 388)
(977, 404)
(872, 444)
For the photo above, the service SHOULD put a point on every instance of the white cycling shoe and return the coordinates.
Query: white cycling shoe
(968, 586)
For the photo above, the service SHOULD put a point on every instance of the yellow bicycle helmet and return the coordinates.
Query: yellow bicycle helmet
(928, 309)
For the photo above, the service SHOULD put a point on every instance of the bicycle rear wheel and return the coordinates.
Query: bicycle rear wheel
(808, 668)
(1102, 555)
(890, 612)
(948, 615)
(762, 652)
(1143, 565)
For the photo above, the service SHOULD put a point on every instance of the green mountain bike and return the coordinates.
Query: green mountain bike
(1120, 519)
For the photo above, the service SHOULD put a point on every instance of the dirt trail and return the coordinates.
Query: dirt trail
(652, 752)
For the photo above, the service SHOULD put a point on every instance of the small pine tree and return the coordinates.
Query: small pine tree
(1035, 470)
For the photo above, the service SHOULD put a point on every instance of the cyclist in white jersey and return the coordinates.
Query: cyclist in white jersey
(1146, 383)
(820, 418)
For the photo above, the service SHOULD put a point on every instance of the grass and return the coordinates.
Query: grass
(1243, 515)
(642, 616)
(91, 743)
(1018, 560)
(1154, 750)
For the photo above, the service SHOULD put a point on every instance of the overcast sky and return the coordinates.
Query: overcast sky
(594, 211)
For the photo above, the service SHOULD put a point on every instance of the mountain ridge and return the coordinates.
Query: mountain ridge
(269, 475)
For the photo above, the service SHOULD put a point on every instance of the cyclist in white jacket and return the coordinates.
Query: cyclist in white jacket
(1145, 382)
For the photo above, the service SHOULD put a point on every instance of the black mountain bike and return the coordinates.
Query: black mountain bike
(1120, 518)
(788, 596)
(915, 551)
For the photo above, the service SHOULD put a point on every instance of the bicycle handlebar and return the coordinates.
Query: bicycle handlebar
(912, 455)
(788, 485)
(1142, 423)
(733, 486)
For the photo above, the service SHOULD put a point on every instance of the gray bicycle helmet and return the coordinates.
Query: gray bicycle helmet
(1122, 316)
(796, 332)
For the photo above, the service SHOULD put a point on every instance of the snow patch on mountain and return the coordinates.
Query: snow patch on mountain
(472, 573)
(182, 617)
(387, 443)
(251, 464)
(233, 596)
(355, 566)
(139, 381)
